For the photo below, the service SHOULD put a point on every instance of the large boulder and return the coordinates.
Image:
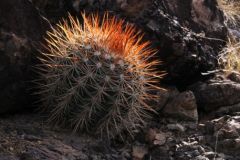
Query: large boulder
(218, 94)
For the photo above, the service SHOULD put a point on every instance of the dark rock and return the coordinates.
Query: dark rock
(182, 107)
(160, 153)
(190, 150)
(227, 132)
(22, 18)
(215, 94)
(201, 158)
(209, 155)
(154, 137)
(21, 29)
(235, 77)
(224, 137)
(229, 146)
(15, 64)
(184, 46)
(139, 152)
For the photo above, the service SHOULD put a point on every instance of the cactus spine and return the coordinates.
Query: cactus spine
(97, 76)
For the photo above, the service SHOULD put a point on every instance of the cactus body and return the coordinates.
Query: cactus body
(97, 77)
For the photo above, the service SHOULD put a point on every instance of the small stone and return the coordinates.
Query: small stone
(151, 134)
(200, 138)
(156, 138)
(209, 155)
(201, 158)
(183, 107)
(160, 139)
(177, 127)
(171, 153)
(191, 125)
(139, 152)
(216, 94)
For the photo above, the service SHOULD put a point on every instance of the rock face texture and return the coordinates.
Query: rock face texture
(22, 18)
(217, 138)
(217, 93)
(183, 106)
(185, 46)
(15, 64)
(21, 29)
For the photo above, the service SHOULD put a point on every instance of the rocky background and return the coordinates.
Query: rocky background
(199, 113)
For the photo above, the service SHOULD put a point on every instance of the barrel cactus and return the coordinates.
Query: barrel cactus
(98, 76)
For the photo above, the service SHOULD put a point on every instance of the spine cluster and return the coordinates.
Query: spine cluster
(98, 76)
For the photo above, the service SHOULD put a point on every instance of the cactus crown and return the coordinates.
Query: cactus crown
(97, 76)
